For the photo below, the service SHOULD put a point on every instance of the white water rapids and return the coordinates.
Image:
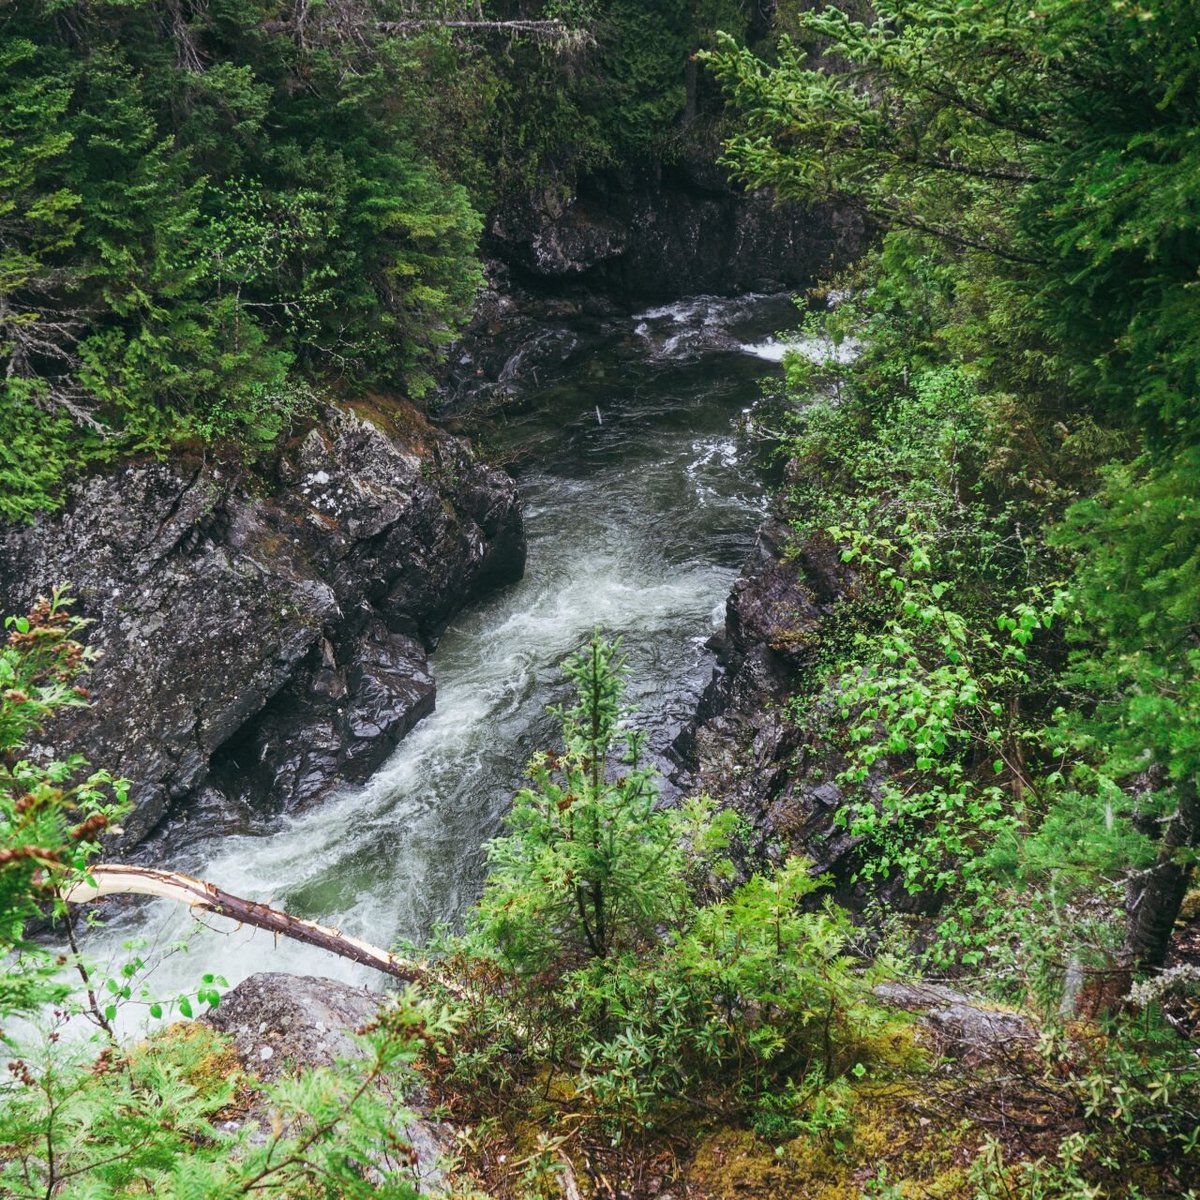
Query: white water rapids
(640, 509)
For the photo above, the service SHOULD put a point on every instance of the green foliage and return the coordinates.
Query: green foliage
(592, 944)
(152, 1120)
(51, 814)
(1015, 443)
(933, 690)
(203, 218)
(621, 102)
(1139, 589)
(589, 866)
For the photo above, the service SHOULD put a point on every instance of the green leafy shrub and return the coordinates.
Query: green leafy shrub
(602, 941)
(52, 814)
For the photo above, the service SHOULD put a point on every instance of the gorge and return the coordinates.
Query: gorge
(758, 721)
(637, 476)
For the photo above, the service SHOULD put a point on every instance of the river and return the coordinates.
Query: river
(641, 500)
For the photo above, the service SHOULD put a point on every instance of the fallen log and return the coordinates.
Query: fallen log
(111, 879)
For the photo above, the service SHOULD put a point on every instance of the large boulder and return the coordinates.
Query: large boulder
(265, 639)
(280, 1024)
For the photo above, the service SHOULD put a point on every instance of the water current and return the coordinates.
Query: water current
(641, 502)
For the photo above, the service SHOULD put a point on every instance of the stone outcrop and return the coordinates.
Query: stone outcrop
(280, 1023)
(660, 232)
(283, 1023)
(764, 742)
(742, 749)
(778, 769)
(962, 1028)
(265, 639)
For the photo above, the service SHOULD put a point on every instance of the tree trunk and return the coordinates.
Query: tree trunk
(1153, 896)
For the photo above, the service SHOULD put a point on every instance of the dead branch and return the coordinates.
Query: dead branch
(117, 880)
(347, 25)
(553, 29)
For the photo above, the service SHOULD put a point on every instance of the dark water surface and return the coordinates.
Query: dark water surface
(641, 503)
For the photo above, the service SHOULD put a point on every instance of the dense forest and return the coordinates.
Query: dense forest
(215, 212)
(218, 218)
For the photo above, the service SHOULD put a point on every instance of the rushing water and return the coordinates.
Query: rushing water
(640, 505)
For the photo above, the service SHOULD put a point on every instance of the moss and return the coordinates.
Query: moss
(203, 1058)
(888, 1137)
(1189, 910)
(399, 418)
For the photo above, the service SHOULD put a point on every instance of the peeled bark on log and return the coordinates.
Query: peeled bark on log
(116, 880)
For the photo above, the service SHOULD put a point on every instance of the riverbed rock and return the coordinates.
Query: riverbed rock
(281, 1024)
(264, 640)
(744, 748)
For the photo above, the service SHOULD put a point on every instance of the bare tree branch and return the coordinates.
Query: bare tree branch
(350, 24)
(117, 880)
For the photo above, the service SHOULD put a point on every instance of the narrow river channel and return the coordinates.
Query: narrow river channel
(641, 501)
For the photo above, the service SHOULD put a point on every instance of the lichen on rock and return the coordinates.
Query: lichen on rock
(265, 638)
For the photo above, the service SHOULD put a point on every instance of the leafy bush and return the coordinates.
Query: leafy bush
(85, 1117)
(51, 819)
(592, 947)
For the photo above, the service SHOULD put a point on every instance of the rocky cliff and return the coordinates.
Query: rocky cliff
(742, 749)
(659, 232)
(265, 638)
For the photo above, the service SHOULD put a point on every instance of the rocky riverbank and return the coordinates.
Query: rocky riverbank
(744, 749)
(265, 634)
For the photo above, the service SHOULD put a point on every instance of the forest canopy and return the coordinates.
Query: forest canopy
(214, 213)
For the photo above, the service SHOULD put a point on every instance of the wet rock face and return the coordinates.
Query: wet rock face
(260, 648)
(660, 233)
(742, 749)
(746, 751)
